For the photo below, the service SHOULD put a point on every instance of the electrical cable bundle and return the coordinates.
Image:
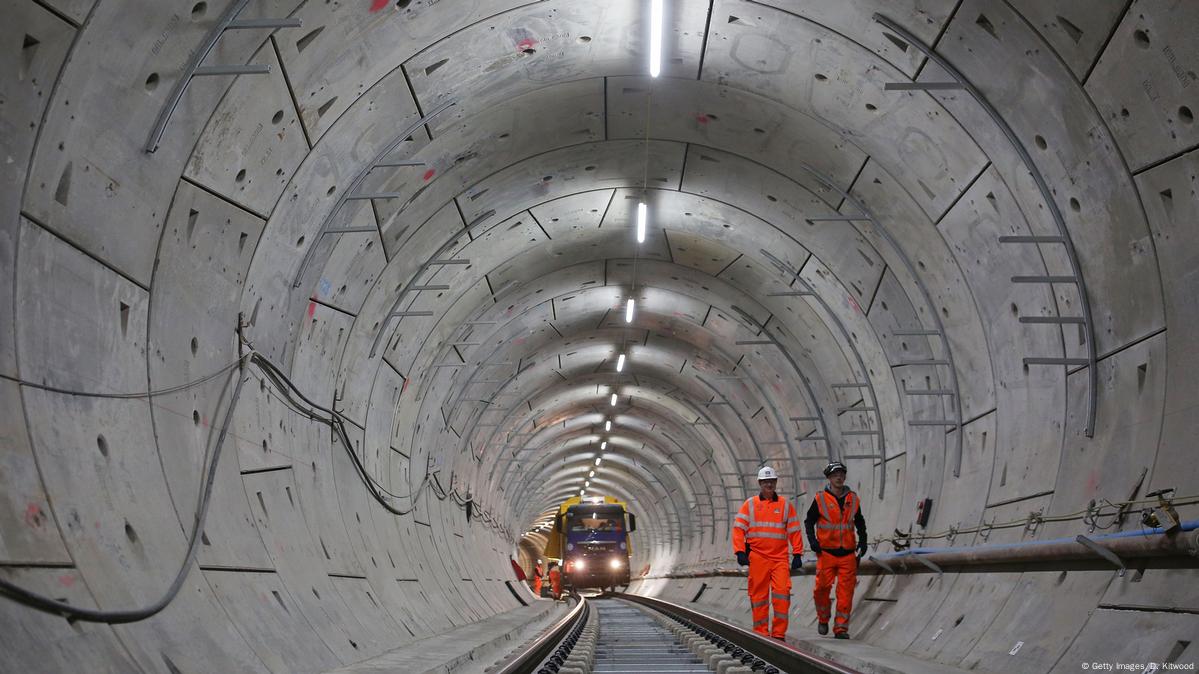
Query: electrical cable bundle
(298, 402)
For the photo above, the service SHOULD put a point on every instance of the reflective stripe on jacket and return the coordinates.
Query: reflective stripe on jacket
(835, 528)
(767, 527)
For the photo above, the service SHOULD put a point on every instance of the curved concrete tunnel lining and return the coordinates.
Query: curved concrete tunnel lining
(1130, 334)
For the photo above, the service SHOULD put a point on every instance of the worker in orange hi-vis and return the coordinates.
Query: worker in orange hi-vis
(537, 580)
(765, 527)
(835, 513)
(555, 580)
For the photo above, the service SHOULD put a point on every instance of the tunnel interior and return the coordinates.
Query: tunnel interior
(387, 279)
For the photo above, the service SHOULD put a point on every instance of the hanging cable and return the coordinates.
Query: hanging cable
(289, 394)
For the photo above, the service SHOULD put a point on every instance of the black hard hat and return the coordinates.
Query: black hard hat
(833, 467)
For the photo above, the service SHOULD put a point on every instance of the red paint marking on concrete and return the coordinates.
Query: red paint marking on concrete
(311, 309)
(854, 303)
(379, 4)
(430, 173)
(404, 387)
(1093, 481)
(701, 118)
(66, 581)
(526, 43)
(518, 341)
(33, 515)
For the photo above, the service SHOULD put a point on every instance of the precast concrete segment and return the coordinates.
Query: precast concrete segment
(130, 271)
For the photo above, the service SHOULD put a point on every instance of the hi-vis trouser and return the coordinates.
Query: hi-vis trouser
(769, 588)
(845, 571)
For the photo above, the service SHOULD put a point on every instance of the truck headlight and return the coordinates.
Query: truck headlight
(615, 563)
(580, 565)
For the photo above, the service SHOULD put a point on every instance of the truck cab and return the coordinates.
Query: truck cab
(592, 540)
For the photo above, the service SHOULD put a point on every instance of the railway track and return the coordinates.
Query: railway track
(630, 634)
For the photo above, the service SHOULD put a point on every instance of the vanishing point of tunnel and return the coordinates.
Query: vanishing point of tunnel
(316, 314)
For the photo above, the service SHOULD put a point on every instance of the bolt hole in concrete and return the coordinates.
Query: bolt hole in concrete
(332, 189)
(241, 176)
(277, 118)
(195, 345)
(152, 82)
(196, 417)
(871, 107)
(528, 51)
(130, 533)
(1074, 205)
(820, 77)
(1041, 144)
(403, 4)
(1141, 38)
(299, 242)
(584, 38)
(198, 10)
(102, 444)
(1185, 115)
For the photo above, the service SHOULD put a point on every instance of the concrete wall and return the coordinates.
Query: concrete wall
(132, 271)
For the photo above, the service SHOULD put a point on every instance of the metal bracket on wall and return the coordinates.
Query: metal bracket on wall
(228, 21)
(381, 160)
(1063, 238)
(795, 276)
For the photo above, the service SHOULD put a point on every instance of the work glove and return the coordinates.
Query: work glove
(861, 549)
(796, 563)
(742, 559)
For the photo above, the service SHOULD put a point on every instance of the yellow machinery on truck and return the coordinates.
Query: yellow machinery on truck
(591, 538)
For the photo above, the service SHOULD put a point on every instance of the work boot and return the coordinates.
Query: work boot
(841, 635)
(822, 628)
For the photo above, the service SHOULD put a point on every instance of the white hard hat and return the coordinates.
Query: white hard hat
(767, 473)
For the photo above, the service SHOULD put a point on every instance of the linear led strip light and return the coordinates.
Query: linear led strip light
(619, 367)
(628, 311)
(641, 215)
(655, 38)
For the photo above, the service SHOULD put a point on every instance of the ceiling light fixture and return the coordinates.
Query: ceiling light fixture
(598, 459)
(641, 222)
(620, 363)
(613, 400)
(628, 311)
(655, 38)
(604, 444)
(608, 425)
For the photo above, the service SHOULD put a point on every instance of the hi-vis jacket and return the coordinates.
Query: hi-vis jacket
(833, 521)
(766, 527)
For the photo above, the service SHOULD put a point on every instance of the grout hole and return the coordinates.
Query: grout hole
(1185, 115)
(1041, 144)
(130, 533)
(821, 77)
(1141, 38)
(198, 10)
(584, 38)
(196, 417)
(1074, 205)
(871, 107)
(103, 445)
(152, 82)
(124, 309)
(240, 177)
(195, 345)
(277, 118)
(299, 242)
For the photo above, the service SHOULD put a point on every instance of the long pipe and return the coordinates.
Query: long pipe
(1140, 548)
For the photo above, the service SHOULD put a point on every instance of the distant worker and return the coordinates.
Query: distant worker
(830, 523)
(555, 580)
(762, 530)
(537, 580)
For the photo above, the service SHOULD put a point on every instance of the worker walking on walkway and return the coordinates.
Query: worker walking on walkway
(830, 523)
(765, 527)
(537, 579)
